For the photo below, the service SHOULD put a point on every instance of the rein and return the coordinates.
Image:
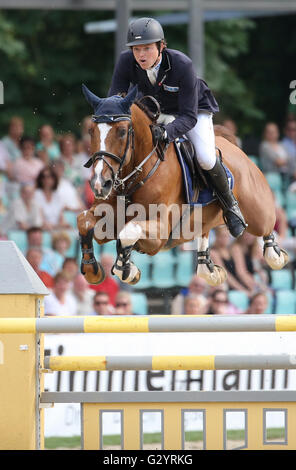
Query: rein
(119, 184)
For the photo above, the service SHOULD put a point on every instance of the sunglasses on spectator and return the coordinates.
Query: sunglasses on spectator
(221, 301)
(101, 303)
(47, 175)
(122, 304)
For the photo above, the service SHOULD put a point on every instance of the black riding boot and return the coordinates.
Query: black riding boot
(233, 217)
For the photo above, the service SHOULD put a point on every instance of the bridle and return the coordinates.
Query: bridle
(120, 184)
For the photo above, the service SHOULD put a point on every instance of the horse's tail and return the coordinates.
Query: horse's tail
(224, 132)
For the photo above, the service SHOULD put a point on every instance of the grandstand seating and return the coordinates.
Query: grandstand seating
(274, 180)
(239, 299)
(282, 279)
(139, 303)
(163, 265)
(184, 269)
(285, 302)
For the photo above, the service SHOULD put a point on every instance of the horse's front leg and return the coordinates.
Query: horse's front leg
(148, 236)
(213, 274)
(90, 268)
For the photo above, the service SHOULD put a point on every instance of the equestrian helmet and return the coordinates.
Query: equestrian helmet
(144, 31)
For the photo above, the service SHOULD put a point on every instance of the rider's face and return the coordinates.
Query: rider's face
(146, 55)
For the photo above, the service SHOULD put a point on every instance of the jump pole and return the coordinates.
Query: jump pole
(210, 362)
(149, 324)
(21, 384)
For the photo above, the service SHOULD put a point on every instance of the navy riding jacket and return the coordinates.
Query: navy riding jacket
(177, 89)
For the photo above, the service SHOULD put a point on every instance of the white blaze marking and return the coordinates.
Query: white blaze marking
(104, 130)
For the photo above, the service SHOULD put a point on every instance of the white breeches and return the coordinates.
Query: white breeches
(202, 137)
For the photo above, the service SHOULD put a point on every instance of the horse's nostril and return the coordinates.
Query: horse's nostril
(107, 184)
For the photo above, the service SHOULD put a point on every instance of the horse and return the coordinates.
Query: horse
(130, 171)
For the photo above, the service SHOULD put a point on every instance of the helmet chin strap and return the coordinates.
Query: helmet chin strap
(155, 63)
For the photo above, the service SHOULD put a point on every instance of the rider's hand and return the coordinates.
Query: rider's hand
(159, 134)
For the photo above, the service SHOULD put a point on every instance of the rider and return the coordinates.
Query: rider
(187, 104)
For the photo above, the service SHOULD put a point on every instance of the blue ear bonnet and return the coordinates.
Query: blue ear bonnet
(109, 109)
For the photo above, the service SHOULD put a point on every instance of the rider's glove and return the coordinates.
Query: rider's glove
(159, 134)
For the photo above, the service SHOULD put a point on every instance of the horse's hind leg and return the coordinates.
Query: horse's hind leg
(213, 274)
(275, 256)
(90, 268)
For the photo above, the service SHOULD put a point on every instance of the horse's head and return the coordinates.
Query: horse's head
(111, 141)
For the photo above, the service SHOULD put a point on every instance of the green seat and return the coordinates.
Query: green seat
(110, 248)
(285, 301)
(139, 303)
(239, 299)
(290, 205)
(280, 197)
(163, 265)
(143, 262)
(282, 279)
(184, 271)
(71, 218)
(19, 237)
(274, 180)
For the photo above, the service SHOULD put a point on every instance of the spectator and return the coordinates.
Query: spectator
(289, 144)
(197, 286)
(66, 190)
(83, 295)
(123, 303)
(248, 259)
(220, 305)
(73, 165)
(60, 242)
(60, 301)
(47, 148)
(232, 127)
(34, 257)
(6, 165)
(257, 304)
(27, 167)
(24, 212)
(273, 156)
(221, 255)
(12, 140)
(49, 201)
(70, 267)
(35, 239)
(109, 285)
(195, 304)
(101, 304)
(84, 155)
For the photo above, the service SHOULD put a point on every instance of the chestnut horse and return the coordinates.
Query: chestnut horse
(129, 171)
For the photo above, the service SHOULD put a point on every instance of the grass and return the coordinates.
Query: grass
(153, 438)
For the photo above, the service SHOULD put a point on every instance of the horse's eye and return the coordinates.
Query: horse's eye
(121, 132)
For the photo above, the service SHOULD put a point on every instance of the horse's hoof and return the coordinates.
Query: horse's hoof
(93, 278)
(274, 260)
(136, 279)
(215, 278)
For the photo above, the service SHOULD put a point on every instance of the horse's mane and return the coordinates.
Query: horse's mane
(224, 132)
(145, 109)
